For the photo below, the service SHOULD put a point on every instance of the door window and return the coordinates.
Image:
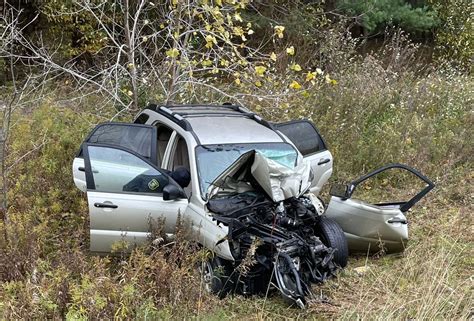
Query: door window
(304, 135)
(180, 157)
(135, 137)
(117, 171)
(164, 135)
(179, 164)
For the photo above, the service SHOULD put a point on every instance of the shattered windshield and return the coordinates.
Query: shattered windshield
(212, 160)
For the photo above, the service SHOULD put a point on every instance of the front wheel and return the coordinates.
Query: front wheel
(215, 274)
(332, 235)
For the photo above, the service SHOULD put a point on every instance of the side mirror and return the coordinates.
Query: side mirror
(171, 192)
(340, 190)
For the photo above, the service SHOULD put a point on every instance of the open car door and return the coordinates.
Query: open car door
(368, 226)
(127, 193)
(306, 138)
(138, 138)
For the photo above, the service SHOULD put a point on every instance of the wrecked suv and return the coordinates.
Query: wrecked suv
(249, 189)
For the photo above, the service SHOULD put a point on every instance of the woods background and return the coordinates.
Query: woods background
(384, 81)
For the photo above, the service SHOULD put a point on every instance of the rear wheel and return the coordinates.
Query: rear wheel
(332, 235)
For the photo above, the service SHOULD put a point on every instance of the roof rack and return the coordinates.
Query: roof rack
(173, 113)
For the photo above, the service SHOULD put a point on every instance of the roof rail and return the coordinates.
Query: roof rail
(172, 112)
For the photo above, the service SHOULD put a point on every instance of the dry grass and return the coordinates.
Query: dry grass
(374, 116)
(429, 281)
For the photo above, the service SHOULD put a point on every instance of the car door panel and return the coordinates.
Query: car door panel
(124, 193)
(132, 218)
(79, 174)
(306, 138)
(369, 227)
(136, 137)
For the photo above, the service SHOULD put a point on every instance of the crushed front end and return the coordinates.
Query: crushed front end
(273, 236)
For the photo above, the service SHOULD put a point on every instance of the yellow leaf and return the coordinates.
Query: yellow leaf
(319, 71)
(210, 41)
(295, 67)
(173, 53)
(295, 85)
(310, 76)
(237, 17)
(206, 63)
(260, 70)
(273, 56)
(258, 83)
(279, 31)
(238, 31)
(290, 50)
(237, 81)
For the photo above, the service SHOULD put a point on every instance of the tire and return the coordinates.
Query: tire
(215, 273)
(332, 235)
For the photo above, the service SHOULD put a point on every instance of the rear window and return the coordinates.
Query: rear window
(304, 135)
(141, 119)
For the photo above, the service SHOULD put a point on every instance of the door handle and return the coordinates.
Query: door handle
(324, 161)
(397, 220)
(105, 205)
(82, 169)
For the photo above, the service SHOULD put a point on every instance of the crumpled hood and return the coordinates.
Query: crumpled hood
(278, 181)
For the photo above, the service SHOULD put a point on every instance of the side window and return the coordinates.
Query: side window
(179, 164)
(137, 138)
(141, 119)
(304, 135)
(115, 171)
(180, 157)
(164, 135)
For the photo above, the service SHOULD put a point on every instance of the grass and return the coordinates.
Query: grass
(430, 280)
(375, 115)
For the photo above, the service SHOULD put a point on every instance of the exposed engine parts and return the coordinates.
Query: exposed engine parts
(273, 244)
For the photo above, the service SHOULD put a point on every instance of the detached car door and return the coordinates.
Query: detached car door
(125, 196)
(373, 226)
(141, 139)
(306, 138)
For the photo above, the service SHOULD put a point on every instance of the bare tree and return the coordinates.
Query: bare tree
(181, 50)
(13, 98)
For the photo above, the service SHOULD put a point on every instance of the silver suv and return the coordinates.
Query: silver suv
(249, 189)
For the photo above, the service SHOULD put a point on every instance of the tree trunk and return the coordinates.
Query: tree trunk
(131, 57)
